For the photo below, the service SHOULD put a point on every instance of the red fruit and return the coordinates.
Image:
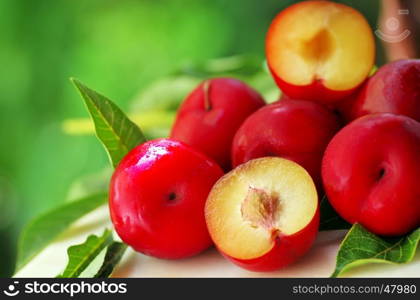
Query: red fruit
(343, 107)
(314, 54)
(371, 173)
(336, 108)
(212, 113)
(157, 197)
(294, 129)
(394, 88)
(264, 214)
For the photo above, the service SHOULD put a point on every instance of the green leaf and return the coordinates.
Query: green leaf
(45, 228)
(330, 220)
(80, 256)
(113, 255)
(361, 247)
(114, 129)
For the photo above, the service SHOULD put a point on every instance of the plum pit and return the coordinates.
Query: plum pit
(261, 209)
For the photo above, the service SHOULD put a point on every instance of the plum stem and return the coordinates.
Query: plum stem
(206, 90)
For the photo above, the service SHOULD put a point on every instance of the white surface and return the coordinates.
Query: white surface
(319, 262)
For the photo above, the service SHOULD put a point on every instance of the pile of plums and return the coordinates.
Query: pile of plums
(247, 177)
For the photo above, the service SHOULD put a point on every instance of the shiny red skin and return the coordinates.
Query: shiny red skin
(316, 91)
(211, 130)
(287, 249)
(371, 172)
(293, 129)
(336, 108)
(142, 210)
(394, 88)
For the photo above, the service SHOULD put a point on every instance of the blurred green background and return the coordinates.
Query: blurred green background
(119, 48)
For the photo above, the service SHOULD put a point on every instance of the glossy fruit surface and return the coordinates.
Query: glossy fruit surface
(212, 113)
(371, 173)
(394, 88)
(294, 129)
(157, 197)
